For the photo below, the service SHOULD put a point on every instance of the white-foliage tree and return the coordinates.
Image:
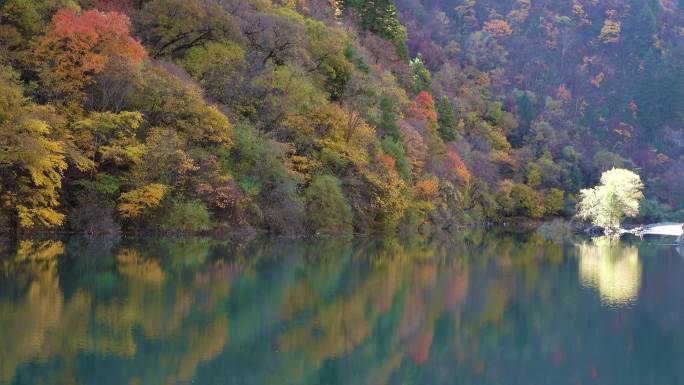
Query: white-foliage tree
(617, 197)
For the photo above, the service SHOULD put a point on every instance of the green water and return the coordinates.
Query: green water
(475, 309)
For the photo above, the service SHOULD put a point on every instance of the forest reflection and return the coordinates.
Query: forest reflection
(156, 311)
(612, 268)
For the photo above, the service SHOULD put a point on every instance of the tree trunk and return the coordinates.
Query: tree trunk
(352, 121)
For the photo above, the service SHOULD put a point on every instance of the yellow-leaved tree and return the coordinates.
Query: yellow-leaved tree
(32, 159)
(617, 196)
(135, 202)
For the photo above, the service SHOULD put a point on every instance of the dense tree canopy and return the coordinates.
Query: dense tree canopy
(318, 116)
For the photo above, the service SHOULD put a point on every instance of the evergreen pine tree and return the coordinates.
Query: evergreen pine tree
(446, 119)
(420, 76)
(380, 17)
(388, 119)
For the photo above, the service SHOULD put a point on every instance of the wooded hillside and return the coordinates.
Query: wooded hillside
(331, 116)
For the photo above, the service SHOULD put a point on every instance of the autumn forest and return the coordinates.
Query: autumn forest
(332, 117)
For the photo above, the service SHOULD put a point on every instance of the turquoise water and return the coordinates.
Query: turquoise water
(476, 309)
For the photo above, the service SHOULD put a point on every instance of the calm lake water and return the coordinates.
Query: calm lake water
(476, 309)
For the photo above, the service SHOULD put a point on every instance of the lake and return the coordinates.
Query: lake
(482, 307)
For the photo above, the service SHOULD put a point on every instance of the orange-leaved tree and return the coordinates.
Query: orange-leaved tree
(423, 110)
(78, 46)
(456, 166)
(497, 28)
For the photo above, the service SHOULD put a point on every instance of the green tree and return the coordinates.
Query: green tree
(396, 151)
(421, 80)
(526, 106)
(24, 15)
(171, 27)
(618, 196)
(554, 201)
(527, 201)
(204, 62)
(380, 17)
(326, 48)
(327, 211)
(105, 137)
(191, 216)
(257, 164)
(166, 101)
(388, 118)
(446, 120)
(643, 28)
(285, 92)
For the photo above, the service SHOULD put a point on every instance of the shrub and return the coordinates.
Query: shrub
(166, 101)
(134, 203)
(396, 151)
(378, 201)
(327, 211)
(92, 218)
(504, 199)
(554, 201)
(190, 216)
(427, 189)
(257, 164)
(527, 202)
(653, 211)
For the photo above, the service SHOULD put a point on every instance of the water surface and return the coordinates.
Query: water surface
(478, 308)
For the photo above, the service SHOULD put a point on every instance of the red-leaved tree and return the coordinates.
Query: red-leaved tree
(77, 47)
(423, 110)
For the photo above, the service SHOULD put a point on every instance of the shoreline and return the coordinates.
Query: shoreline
(511, 224)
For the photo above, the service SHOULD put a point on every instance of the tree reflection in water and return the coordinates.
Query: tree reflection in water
(611, 267)
(483, 308)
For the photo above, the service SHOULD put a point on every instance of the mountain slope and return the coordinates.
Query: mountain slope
(330, 116)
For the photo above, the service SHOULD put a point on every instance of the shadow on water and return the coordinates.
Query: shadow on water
(483, 307)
